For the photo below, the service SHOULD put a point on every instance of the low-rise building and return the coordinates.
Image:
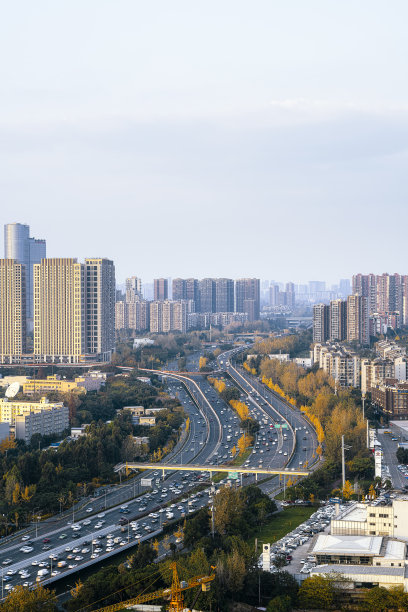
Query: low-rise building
(28, 418)
(391, 396)
(360, 519)
(81, 384)
(150, 421)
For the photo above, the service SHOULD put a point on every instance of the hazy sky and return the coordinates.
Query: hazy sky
(218, 138)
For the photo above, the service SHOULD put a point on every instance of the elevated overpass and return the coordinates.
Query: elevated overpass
(212, 469)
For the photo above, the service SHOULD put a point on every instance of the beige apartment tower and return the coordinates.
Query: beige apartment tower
(12, 309)
(59, 313)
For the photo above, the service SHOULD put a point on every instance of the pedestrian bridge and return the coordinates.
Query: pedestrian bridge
(212, 469)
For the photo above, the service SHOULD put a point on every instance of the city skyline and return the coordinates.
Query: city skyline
(159, 144)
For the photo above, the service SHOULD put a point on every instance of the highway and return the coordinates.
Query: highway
(93, 533)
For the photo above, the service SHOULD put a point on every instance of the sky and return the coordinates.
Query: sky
(217, 138)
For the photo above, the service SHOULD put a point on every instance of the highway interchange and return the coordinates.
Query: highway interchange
(64, 545)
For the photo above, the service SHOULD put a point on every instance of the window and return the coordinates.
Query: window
(372, 514)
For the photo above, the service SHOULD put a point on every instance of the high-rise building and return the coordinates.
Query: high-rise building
(321, 324)
(366, 286)
(193, 292)
(161, 289)
(179, 289)
(156, 316)
(100, 308)
(18, 245)
(13, 304)
(133, 288)
(224, 295)
(247, 289)
(59, 309)
(344, 287)
(274, 295)
(207, 295)
(338, 320)
(290, 295)
(74, 309)
(357, 320)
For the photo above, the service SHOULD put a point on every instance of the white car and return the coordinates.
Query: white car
(26, 549)
(89, 509)
(101, 515)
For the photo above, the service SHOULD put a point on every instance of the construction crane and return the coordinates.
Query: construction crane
(175, 592)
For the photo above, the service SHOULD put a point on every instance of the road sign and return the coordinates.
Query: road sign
(277, 425)
(233, 475)
(284, 426)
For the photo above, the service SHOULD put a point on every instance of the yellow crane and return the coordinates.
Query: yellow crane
(175, 592)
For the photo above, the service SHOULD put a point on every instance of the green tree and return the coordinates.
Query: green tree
(317, 592)
(281, 603)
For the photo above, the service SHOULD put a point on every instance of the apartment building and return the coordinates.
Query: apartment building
(248, 297)
(27, 251)
(321, 325)
(391, 396)
(74, 310)
(342, 365)
(13, 304)
(28, 418)
(161, 289)
(357, 320)
(337, 320)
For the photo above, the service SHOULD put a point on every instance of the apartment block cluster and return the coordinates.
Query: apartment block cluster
(385, 377)
(377, 302)
(69, 306)
(366, 546)
(195, 304)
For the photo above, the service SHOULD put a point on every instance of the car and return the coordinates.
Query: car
(7, 561)
(89, 509)
(25, 538)
(62, 536)
(46, 540)
(78, 558)
(26, 549)
(101, 515)
(11, 572)
(72, 565)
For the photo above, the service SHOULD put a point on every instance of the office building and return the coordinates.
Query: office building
(391, 396)
(28, 418)
(338, 320)
(321, 328)
(247, 297)
(161, 289)
(357, 320)
(13, 305)
(100, 308)
(19, 246)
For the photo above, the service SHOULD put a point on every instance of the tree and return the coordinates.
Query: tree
(347, 490)
(316, 592)
(228, 510)
(281, 603)
(22, 599)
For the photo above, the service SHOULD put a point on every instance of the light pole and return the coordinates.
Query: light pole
(344, 447)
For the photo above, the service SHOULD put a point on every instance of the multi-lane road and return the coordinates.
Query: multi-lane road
(93, 533)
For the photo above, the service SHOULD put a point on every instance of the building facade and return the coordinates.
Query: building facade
(13, 303)
(18, 245)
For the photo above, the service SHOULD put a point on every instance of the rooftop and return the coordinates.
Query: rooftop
(395, 550)
(354, 512)
(351, 545)
(368, 570)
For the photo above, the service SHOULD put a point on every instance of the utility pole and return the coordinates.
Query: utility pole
(344, 447)
(368, 435)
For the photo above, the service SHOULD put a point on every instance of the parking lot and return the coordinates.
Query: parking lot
(296, 544)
